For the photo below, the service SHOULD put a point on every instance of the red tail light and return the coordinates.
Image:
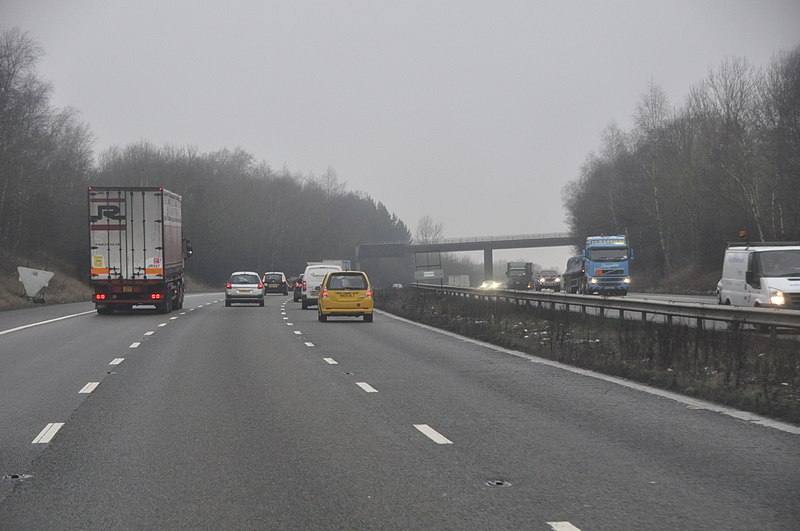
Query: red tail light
(156, 296)
(304, 283)
(368, 294)
(100, 296)
(260, 285)
(283, 282)
(325, 294)
(228, 285)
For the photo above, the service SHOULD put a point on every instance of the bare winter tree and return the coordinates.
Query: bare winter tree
(428, 230)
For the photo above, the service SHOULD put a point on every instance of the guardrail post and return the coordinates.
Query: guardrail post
(644, 316)
(669, 320)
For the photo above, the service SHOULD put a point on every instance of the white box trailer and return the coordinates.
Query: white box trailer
(137, 248)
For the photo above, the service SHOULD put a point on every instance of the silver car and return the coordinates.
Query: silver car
(244, 286)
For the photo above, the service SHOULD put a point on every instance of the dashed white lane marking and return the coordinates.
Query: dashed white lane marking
(191, 309)
(163, 324)
(149, 333)
(698, 404)
(331, 361)
(298, 333)
(309, 344)
(89, 387)
(44, 322)
(47, 434)
(366, 387)
(289, 324)
(135, 345)
(285, 318)
(562, 526)
(432, 434)
(117, 361)
(172, 318)
(183, 313)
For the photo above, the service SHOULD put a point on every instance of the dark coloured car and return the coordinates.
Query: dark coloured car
(547, 279)
(298, 289)
(275, 282)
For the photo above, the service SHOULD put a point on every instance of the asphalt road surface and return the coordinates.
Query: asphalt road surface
(265, 418)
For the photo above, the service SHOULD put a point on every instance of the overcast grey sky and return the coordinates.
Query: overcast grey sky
(476, 113)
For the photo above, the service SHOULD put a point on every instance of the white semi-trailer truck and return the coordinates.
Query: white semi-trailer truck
(138, 251)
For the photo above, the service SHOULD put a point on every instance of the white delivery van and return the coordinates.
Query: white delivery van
(761, 274)
(312, 280)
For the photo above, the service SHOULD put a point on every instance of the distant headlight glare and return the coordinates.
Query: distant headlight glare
(627, 280)
(593, 281)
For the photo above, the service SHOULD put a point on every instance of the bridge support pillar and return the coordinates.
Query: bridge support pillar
(488, 273)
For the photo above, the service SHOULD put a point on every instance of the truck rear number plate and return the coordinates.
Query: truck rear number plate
(127, 289)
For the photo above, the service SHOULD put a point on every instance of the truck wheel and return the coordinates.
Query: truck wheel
(165, 307)
(105, 311)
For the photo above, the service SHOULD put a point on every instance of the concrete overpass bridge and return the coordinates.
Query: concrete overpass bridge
(487, 244)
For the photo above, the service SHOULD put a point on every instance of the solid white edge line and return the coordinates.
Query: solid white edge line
(309, 344)
(89, 387)
(117, 361)
(47, 434)
(562, 526)
(23, 327)
(432, 434)
(331, 361)
(366, 387)
(687, 400)
(135, 345)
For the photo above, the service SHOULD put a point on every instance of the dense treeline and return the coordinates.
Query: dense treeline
(45, 159)
(238, 212)
(686, 179)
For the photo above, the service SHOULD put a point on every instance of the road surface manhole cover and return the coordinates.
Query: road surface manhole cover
(498, 483)
(17, 477)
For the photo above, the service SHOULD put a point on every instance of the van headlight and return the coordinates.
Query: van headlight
(627, 280)
(777, 298)
(593, 280)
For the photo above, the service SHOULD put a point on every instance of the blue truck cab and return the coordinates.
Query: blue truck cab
(602, 268)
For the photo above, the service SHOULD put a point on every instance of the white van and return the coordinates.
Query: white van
(766, 274)
(312, 280)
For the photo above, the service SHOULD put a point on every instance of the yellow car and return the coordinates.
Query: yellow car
(347, 293)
